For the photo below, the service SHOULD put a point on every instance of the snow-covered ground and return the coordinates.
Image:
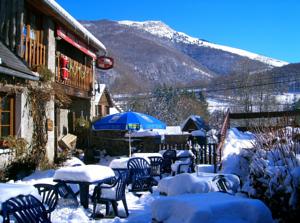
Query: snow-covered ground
(195, 192)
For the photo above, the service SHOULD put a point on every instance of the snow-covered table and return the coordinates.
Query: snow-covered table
(84, 176)
(210, 207)
(146, 155)
(120, 163)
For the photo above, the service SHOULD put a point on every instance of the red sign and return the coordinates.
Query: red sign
(104, 62)
(70, 38)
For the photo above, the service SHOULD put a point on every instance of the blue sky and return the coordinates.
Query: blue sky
(267, 27)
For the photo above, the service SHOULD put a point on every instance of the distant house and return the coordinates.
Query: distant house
(36, 33)
(194, 122)
(103, 101)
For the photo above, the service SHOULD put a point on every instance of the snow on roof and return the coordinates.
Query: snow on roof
(198, 121)
(73, 22)
(101, 90)
(173, 130)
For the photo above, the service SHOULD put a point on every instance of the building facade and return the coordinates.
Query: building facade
(40, 33)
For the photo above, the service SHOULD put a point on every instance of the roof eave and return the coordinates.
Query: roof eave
(18, 74)
(85, 34)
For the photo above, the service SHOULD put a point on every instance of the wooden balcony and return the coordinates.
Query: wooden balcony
(33, 53)
(80, 76)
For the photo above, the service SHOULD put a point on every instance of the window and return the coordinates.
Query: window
(7, 109)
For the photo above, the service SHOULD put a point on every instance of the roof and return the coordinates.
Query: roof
(197, 120)
(12, 65)
(100, 90)
(75, 25)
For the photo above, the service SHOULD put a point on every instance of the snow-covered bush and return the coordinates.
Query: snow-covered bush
(274, 173)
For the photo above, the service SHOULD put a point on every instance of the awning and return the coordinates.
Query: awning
(70, 38)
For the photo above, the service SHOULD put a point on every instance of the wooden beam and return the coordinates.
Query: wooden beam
(12, 116)
(73, 91)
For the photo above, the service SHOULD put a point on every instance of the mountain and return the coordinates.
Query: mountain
(288, 75)
(149, 54)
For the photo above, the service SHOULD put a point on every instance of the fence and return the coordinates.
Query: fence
(207, 154)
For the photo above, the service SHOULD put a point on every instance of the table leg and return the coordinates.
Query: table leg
(84, 194)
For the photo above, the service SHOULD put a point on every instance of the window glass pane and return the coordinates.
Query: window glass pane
(5, 105)
(5, 118)
(4, 131)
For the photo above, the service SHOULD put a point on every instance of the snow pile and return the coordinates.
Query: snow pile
(274, 177)
(182, 184)
(40, 176)
(268, 166)
(72, 214)
(190, 183)
(235, 152)
(210, 207)
(9, 190)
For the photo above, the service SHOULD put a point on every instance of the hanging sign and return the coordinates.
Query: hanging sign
(104, 62)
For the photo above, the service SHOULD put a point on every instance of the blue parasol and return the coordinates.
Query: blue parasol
(129, 121)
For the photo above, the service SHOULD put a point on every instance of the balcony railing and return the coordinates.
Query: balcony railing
(33, 53)
(80, 76)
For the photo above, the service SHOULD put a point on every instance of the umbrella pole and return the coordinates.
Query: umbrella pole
(129, 143)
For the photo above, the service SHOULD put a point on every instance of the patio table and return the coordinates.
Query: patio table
(119, 164)
(84, 176)
(146, 155)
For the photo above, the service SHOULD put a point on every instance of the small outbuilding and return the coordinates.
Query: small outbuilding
(194, 122)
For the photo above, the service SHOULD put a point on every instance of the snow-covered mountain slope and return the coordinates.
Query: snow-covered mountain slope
(161, 30)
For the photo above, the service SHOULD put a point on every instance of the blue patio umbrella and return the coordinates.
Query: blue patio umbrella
(129, 121)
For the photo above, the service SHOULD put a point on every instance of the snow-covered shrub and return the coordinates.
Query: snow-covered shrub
(237, 153)
(274, 173)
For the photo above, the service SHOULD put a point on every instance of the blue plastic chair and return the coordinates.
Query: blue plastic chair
(140, 175)
(222, 183)
(49, 196)
(156, 166)
(106, 194)
(169, 158)
(66, 192)
(24, 209)
(183, 164)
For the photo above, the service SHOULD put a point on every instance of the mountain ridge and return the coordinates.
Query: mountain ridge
(167, 32)
(162, 56)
